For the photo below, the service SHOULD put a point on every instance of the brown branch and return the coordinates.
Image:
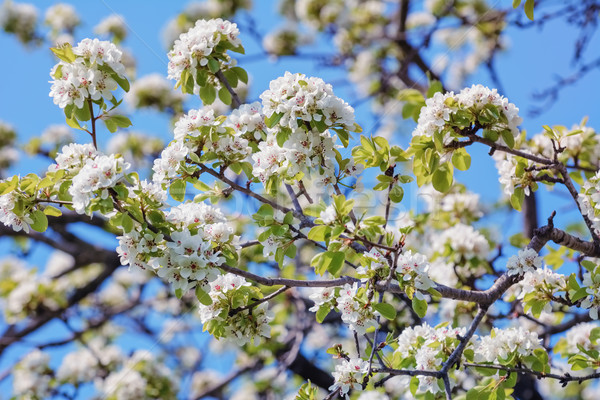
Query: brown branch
(542, 375)
(235, 100)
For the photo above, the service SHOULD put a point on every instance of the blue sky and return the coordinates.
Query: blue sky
(532, 61)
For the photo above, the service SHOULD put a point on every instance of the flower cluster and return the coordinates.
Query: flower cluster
(304, 153)
(62, 17)
(284, 41)
(89, 70)
(373, 262)
(537, 289)
(191, 257)
(301, 109)
(11, 215)
(154, 91)
(95, 178)
(423, 347)
(323, 296)
(589, 200)
(298, 97)
(541, 280)
(462, 205)
(504, 344)
(477, 104)
(463, 241)
(57, 135)
(412, 270)
(142, 377)
(222, 319)
(579, 142)
(249, 121)
(207, 40)
(85, 364)
(167, 165)
(355, 312)
(318, 13)
(137, 148)
(32, 376)
(528, 260)
(348, 375)
(592, 285)
(114, 25)
(20, 19)
(580, 335)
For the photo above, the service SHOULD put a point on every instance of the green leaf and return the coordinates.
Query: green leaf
(178, 293)
(208, 94)
(231, 78)
(517, 198)
(516, 3)
(508, 138)
(110, 125)
(73, 123)
(177, 190)
(52, 211)
(127, 223)
(9, 185)
(461, 160)
(213, 65)
(65, 53)
(322, 312)
(396, 194)
(435, 87)
(529, 8)
(201, 77)
(273, 119)
(83, 114)
(335, 261)
(225, 96)
(155, 217)
(40, 221)
(387, 311)
(319, 233)
(123, 82)
(442, 178)
(241, 74)
(203, 297)
(420, 307)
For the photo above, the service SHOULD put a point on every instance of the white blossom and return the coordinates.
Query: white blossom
(192, 49)
(74, 82)
(348, 375)
(528, 260)
(61, 17)
(354, 313)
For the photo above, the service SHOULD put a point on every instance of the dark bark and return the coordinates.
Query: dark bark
(530, 215)
(307, 370)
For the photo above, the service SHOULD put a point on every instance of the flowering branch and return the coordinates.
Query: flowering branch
(259, 301)
(563, 379)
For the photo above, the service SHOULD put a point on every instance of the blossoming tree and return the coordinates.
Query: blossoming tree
(260, 225)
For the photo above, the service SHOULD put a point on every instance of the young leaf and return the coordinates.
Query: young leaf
(442, 178)
(213, 65)
(241, 74)
(208, 94)
(461, 160)
(40, 221)
(322, 312)
(420, 307)
(203, 297)
(177, 190)
(224, 95)
(529, 8)
(52, 211)
(387, 311)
